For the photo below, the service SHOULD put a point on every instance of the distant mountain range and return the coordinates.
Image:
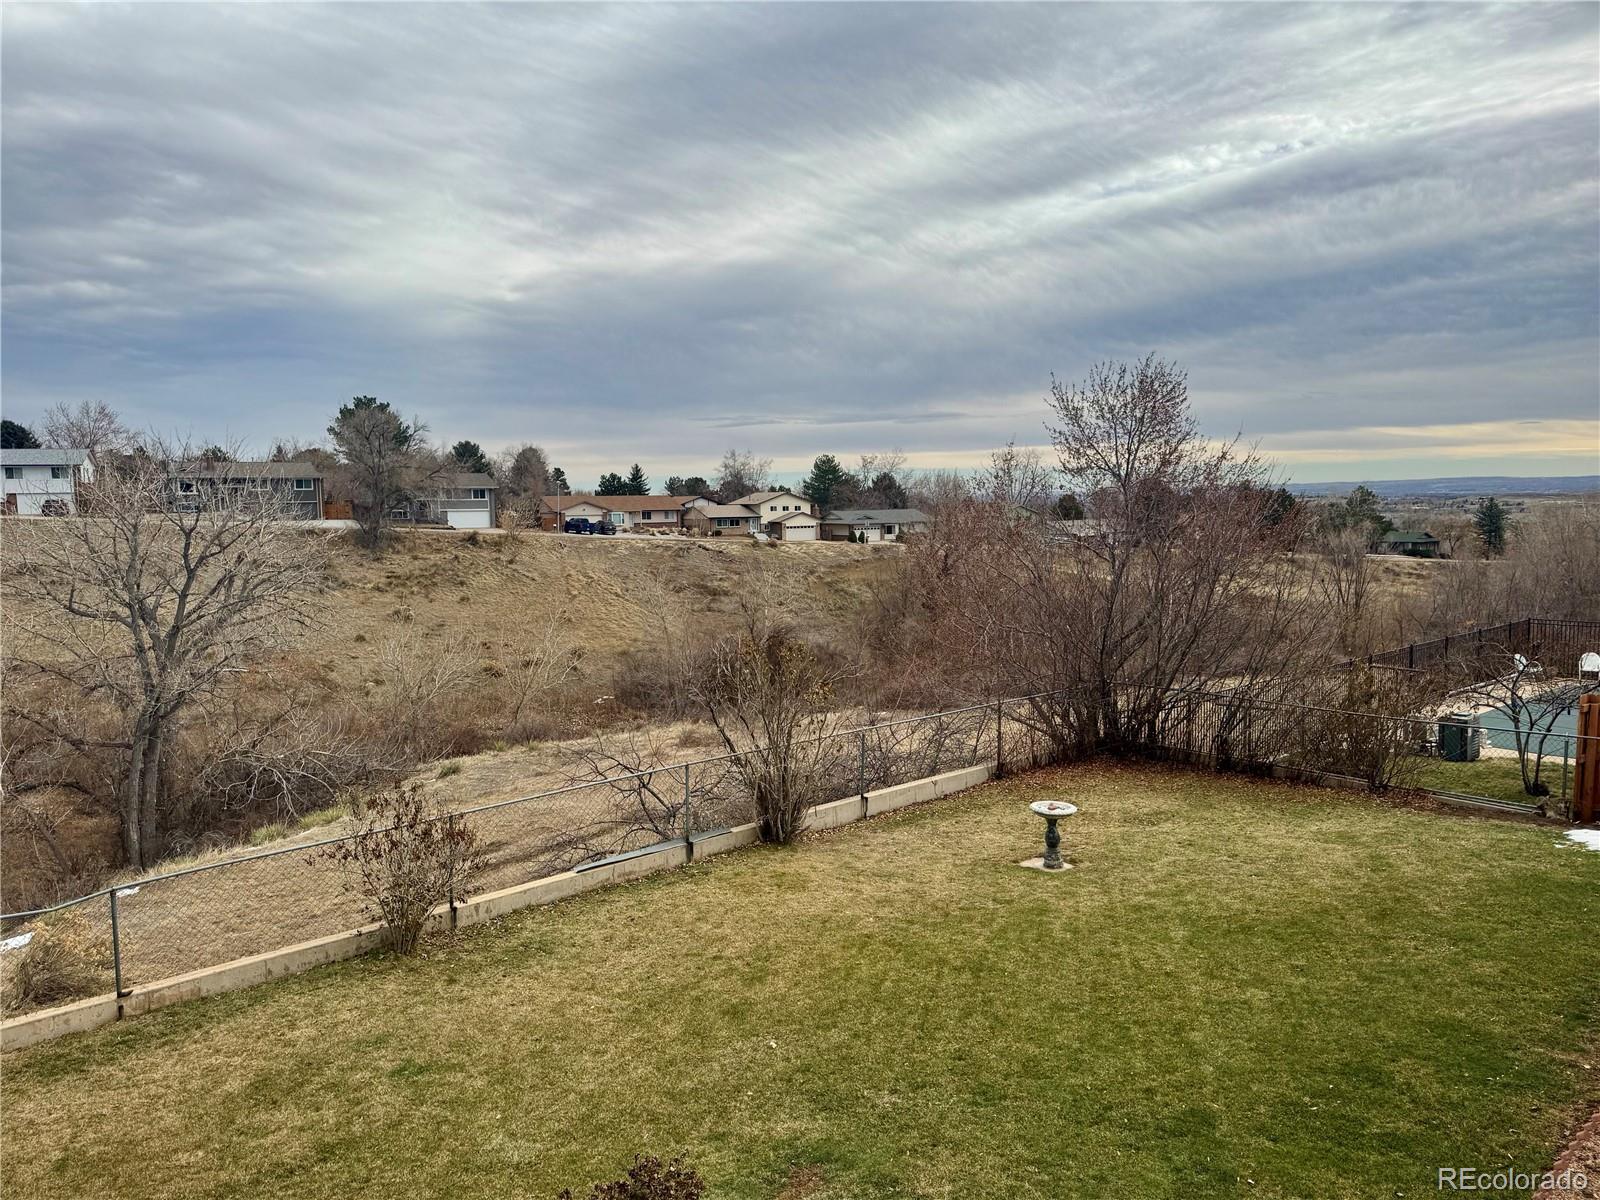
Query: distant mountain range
(1458, 485)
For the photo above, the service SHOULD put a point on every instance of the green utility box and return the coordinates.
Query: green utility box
(1458, 737)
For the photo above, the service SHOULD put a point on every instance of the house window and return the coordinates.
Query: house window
(302, 485)
(58, 472)
(480, 493)
(186, 485)
(11, 473)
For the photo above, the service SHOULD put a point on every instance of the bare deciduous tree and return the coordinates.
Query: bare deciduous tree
(1180, 583)
(148, 601)
(1530, 701)
(386, 459)
(91, 425)
(1344, 577)
(1016, 479)
(741, 473)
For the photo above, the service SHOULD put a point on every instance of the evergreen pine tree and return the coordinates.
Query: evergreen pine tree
(1490, 522)
(827, 480)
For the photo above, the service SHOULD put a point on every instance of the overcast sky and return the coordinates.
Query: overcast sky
(650, 233)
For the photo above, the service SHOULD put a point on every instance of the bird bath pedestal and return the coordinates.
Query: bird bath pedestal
(1052, 811)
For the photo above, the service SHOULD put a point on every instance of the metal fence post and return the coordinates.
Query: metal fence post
(116, 946)
(861, 769)
(1566, 758)
(688, 821)
(450, 828)
(999, 738)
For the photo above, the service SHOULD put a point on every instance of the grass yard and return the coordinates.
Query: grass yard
(1243, 989)
(1496, 778)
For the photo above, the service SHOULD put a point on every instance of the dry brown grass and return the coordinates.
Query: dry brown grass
(69, 956)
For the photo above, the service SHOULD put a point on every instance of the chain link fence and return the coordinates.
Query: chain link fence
(202, 916)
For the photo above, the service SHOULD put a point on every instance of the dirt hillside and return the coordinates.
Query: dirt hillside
(609, 594)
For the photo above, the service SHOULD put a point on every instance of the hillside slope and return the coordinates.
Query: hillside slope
(608, 595)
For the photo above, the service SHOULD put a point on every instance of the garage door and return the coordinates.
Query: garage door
(799, 531)
(467, 518)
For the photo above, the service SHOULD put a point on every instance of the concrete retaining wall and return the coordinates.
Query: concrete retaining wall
(291, 960)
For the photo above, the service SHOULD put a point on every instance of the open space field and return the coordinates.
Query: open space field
(1241, 989)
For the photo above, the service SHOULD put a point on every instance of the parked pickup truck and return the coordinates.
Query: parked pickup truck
(585, 525)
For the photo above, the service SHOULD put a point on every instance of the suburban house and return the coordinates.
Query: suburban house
(295, 485)
(1418, 543)
(625, 512)
(707, 518)
(784, 516)
(44, 482)
(461, 500)
(873, 524)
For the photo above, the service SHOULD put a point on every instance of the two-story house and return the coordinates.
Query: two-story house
(296, 487)
(784, 516)
(44, 482)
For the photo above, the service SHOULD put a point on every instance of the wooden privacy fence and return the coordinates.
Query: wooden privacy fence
(1586, 775)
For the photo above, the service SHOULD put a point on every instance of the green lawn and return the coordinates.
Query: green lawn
(1496, 778)
(1243, 989)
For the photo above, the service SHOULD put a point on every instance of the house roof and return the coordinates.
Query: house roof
(789, 516)
(1408, 535)
(755, 498)
(49, 456)
(726, 510)
(877, 516)
(569, 500)
(628, 504)
(468, 479)
(253, 470)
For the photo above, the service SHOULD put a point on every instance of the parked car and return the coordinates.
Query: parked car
(602, 527)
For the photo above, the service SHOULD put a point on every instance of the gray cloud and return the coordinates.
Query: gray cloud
(642, 232)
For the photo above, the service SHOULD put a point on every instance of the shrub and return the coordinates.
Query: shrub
(649, 1179)
(68, 957)
(407, 858)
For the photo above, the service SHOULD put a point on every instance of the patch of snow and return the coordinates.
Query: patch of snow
(129, 891)
(1589, 839)
(18, 942)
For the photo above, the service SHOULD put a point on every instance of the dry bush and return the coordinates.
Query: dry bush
(1360, 725)
(408, 856)
(769, 696)
(531, 679)
(425, 689)
(68, 958)
(265, 764)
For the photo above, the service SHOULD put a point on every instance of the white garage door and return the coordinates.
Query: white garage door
(467, 518)
(799, 531)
